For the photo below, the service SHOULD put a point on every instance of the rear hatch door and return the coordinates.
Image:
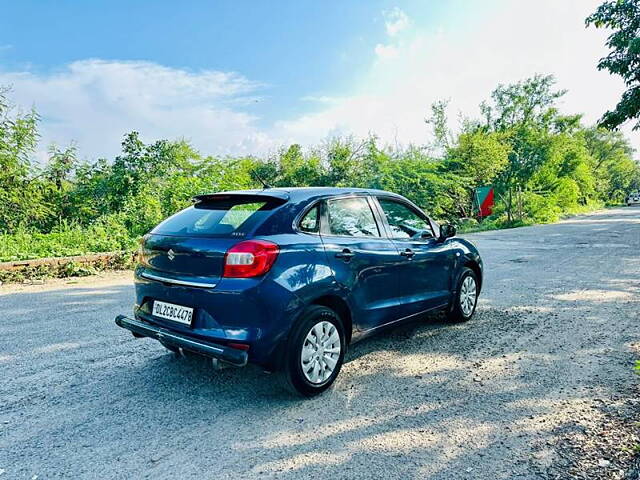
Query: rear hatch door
(190, 245)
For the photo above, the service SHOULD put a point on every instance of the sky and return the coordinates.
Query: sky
(240, 77)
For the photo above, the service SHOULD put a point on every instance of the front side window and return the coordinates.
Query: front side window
(404, 221)
(351, 217)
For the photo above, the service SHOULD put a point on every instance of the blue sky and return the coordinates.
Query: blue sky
(247, 77)
(296, 49)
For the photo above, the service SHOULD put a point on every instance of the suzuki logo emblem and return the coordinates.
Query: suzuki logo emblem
(171, 254)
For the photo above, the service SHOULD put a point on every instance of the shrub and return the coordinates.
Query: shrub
(540, 209)
(105, 235)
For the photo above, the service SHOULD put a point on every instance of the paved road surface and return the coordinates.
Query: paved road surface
(80, 398)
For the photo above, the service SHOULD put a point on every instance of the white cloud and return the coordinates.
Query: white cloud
(386, 51)
(319, 99)
(94, 102)
(396, 21)
(464, 63)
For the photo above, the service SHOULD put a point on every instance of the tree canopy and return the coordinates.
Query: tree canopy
(623, 17)
(540, 162)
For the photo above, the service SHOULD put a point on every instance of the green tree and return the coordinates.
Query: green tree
(443, 137)
(525, 103)
(615, 172)
(61, 164)
(296, 170)
(623, 17)
(476, 160)
(479, 156)
(525, 115)
(19, 194)
(58, 181)
(353, 164)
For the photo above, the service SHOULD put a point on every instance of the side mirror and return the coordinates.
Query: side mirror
(447, 231)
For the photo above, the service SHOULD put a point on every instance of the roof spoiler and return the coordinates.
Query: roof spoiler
(263, 195)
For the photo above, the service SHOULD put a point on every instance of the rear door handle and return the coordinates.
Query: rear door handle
(408, 253)
(345, 254)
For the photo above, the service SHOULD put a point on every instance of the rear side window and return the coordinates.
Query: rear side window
(220, 217)
(311, 221)
(351, 217)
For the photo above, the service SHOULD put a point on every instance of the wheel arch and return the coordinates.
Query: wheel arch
(473, 265)
(341, 307)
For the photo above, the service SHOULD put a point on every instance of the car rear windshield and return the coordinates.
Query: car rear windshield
(220, 217)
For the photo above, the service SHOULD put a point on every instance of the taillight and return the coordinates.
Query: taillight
(249, 259)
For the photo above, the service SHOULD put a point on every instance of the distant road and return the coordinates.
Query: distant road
(80, 398)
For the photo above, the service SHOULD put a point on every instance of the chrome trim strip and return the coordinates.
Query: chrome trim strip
(186, 283)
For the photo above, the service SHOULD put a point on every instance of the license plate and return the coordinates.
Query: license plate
(173, 312)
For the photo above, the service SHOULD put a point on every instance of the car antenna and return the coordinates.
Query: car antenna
(256, 175)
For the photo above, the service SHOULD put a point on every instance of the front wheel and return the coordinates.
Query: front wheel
(466, 298)
(315, 352)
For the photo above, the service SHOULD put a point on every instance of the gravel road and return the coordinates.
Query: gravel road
(555, 336)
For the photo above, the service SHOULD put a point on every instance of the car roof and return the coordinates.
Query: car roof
(301, 193)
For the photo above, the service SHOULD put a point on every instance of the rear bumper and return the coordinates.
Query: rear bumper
(230, 355)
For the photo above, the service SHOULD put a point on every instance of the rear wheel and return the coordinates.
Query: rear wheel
(466, 298)
(315, 352)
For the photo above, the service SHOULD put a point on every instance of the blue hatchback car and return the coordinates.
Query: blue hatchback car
(288, 278)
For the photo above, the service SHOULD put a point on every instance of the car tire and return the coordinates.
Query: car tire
(311, 364)
(466, 297)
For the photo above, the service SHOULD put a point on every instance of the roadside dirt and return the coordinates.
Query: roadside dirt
(540, 384)
(117, 277)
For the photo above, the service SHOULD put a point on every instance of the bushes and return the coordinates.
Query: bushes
(106, 235)
(69, 267)
(566, 194)
(540, 208)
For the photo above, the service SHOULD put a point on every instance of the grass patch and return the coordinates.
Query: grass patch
(65, 241)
